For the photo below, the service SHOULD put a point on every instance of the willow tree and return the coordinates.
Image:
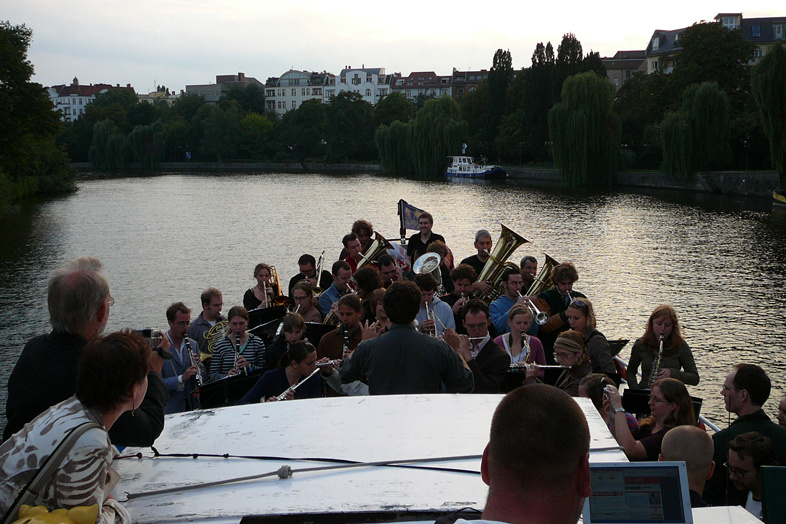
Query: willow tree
(584, 132)
(109, 149)
(768, 80)
(677, 139)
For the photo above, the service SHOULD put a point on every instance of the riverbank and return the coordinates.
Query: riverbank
(743, 183)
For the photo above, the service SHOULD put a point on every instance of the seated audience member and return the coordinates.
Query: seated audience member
(297, 364)
(445, 265)
(180, 371)
(335, 345)
(264, 293)
(676, 360)
(483, 245)
(308, 274)
(303, 297)
(593, 387)
(208, 327)
(239, 351)
(529, 270)
(389, 269)
(693, 446)
(419, 242)
(342, 276)
(354, 251)
(581, 317)
(292, 330)
(434, 316)
(555, 301)
(745, 390)
(536, 463)
(570, 351)
(747, 454)
(670, 406)
(367, 279)
(488, 362)
(463, 277)
(511, 296)
(110, 380)
(404, 361)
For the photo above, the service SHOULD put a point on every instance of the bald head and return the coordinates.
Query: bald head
(692, 445)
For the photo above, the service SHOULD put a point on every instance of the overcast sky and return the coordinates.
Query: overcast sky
(179, 42)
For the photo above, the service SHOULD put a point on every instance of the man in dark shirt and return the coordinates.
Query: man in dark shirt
(404, 361)
(693, 446)
(419, 242)
(483, 244)
(555, 301)
(45, 374)
(308, 274)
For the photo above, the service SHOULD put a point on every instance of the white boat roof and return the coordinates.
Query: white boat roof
(357, 429)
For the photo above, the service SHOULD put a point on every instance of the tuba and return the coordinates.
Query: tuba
(508, 242)
(378, 246)
(543, 278)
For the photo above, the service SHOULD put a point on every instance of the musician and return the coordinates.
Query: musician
(670, 406)
(342, 275)
(383, 322)
(747, 454)
(367, 279)
(677, 358)
(445, 263)
(782, 411)
(336, 344)
(463, 276)
(297, 364)
(511, 287)
(179, 372)
(569, 351)
(529, 268)
(419, 242)
(521, 347)
(263, 294)
(745, 391)
(488, 362)
(555, 301)
(45, 374)
(303, 297)
(354, 250)
(212, 302)
(483, 245)
(581, 317)
(404, 361)
(308, 274)
(389, 269)
(239, 351)
(292, 330)
(536, 463)
(434, 316)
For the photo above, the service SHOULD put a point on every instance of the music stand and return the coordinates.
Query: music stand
(315, 332)
(257, 317)
(227, 391)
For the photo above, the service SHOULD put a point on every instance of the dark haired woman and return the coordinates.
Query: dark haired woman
(264, 292)
(297, 364)
(677, 359)
(111, 379)
(670, 406)
(238, 350)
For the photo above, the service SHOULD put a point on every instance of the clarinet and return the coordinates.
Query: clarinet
(346, 351)
(194, 362)
(237, 353)
(656, 364)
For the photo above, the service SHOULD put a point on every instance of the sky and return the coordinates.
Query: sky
(177, 42)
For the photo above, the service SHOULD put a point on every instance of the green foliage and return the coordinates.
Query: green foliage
(473, 107)
(256, 137)
(392, 107)
(301, 133)
(351, 137)
(109, 149)
(148, 144)
(221, 132)
(250, 97)
(585, 132)
(677, 138)
(768, 80)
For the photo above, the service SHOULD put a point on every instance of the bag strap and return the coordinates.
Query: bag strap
(29, 493)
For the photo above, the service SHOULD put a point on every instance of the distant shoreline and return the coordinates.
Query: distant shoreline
(742, 183)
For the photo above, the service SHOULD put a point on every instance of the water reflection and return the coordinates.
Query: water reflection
(719, 260)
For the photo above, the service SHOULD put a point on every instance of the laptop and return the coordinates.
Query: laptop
(638, 492)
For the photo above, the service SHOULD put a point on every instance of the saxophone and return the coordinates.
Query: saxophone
(656, 363)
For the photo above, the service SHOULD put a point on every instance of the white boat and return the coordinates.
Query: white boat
(466, 167)
(441, 436)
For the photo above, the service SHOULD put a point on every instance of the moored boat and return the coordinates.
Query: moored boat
(778, 199)
(466, 167)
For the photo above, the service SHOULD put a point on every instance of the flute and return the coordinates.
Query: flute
(328, 363)
(293, 387)
(522, 365)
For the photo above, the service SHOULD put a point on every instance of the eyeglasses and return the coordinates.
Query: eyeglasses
(111, 301)
(561, 355)
(577, 303)
(476, 326)
(299, 298)
(739, 473)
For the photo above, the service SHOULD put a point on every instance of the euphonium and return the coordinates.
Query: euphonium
(656, 364)
(377, 246)
(508, 242)
(542, 280)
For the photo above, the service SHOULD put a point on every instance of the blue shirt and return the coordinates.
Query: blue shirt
(327, 298)
(443, 315)
(498, 311)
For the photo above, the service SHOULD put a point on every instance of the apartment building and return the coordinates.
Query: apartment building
(370, 83)
(294, 87)
(72, 99)
(212, 93)
(425, 83)
(463, 82)
(623, 64)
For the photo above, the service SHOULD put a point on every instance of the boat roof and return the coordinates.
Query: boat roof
(448, 432)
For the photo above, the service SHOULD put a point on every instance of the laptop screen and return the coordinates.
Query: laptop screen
(645, 492)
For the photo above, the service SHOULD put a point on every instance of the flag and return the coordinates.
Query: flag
(409, 215)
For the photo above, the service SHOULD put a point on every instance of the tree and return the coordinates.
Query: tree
(351, 137)
(584, 132)
(256, 136)
(148, 144)
(713, 53)
(392, 107)
(499, 79)
(251, 98)
(301, 132)
(30, 161)
(768, 80)
(221, 130)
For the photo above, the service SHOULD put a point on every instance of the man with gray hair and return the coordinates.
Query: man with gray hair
(45, 374)
(483, 245)
(693, 446)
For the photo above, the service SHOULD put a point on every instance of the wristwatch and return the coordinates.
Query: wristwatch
(619, 410)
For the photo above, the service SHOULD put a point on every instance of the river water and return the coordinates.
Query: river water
(720, 261)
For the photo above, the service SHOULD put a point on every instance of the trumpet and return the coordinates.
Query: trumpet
(431, 316)
(541, 317)
(283, 396)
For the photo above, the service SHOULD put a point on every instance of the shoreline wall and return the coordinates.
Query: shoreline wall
(745, 183)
